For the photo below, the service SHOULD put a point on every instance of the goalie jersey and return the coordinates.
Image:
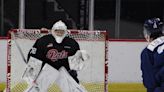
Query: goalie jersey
(152, 63)
(56, 54)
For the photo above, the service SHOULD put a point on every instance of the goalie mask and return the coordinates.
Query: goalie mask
(153, 28)
(59, 31)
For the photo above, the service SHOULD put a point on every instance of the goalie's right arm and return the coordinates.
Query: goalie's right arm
(37, 50)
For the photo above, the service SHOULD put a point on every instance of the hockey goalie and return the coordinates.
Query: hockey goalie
(55, 58)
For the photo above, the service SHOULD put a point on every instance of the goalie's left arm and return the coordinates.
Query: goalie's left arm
(76, 62)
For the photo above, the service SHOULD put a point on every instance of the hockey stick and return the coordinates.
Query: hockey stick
(19, 48)
(36, 65)
(22, 55)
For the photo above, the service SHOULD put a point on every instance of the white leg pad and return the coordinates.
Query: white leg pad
(47, 76)
(67, 83)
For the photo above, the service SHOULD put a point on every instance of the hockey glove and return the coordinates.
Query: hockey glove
(76, 61)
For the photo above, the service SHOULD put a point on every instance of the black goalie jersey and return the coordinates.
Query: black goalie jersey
(49, 51)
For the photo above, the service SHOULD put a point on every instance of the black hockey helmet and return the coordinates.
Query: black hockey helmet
(153, 27)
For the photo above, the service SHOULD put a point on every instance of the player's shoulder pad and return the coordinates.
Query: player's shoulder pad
(155, 43)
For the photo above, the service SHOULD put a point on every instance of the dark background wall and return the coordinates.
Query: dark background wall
(133, 13)
(46, 12)
(43, 13)
(10, 16)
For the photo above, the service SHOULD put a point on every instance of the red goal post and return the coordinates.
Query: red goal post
(94, 77)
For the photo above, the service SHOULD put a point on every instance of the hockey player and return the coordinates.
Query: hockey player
(152, 57)
(53, 52)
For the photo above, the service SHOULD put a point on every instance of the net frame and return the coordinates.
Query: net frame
(33, 32)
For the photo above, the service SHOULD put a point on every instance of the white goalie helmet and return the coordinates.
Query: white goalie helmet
(61, 28)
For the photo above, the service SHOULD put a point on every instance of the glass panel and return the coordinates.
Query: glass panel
(134, 13)
(104, 18)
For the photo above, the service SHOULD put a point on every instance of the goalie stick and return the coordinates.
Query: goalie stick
(22, 55)
(19, 48)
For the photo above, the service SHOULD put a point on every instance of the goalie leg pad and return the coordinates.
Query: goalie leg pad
(47, 76)
(67, 83)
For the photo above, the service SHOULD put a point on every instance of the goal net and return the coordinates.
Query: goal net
(94, 75)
